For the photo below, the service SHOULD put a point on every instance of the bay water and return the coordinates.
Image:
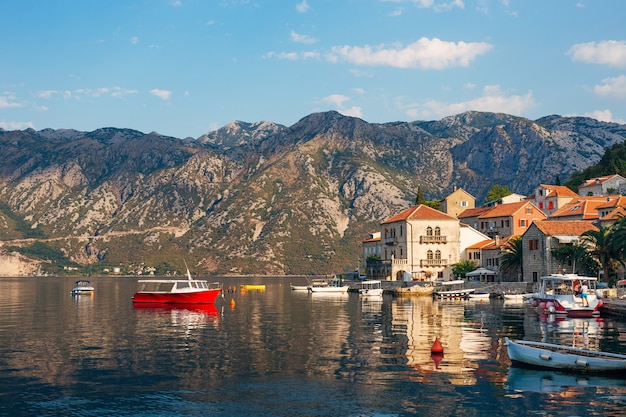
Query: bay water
(278, 352)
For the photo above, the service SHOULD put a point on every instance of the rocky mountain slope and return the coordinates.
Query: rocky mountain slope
(262, 198)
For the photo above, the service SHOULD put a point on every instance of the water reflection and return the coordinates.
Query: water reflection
(530, 380)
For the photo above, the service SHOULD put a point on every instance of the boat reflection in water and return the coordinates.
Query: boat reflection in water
(532, 380)
(189, 316)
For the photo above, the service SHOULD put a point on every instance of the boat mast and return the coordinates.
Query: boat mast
(188, 273)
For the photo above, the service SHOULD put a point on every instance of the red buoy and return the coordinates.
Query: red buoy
(437, 348)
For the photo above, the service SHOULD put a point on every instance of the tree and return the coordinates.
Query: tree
(497, 191)
(461, 268)
(420, 197)
(578, 256)
(511, 258)
(557, 180)
(602, 247)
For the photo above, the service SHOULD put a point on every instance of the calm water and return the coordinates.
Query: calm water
(283, 353)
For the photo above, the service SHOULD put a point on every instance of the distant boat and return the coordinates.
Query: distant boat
(558, 295)
(333, 286)
(516, 296)
(563, 358)
(370, 288)
(453, 289)
(479, 295)
(83, 286)
(249, 287)
(178, 291)
(320, 282)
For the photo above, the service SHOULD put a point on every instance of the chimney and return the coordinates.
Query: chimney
(497, 239)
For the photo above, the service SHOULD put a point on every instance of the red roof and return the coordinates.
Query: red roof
(420, 212)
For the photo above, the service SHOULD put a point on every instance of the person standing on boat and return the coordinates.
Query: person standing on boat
(583, 295)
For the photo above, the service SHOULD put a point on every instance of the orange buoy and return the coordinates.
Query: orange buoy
(232, 302)
(436, 357)
(437, 347)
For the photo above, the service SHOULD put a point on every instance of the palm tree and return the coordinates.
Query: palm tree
(512, 258)
(602, 247)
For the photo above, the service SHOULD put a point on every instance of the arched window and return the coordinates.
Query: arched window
(437, 231)
(429, 254)
(438, 254)
(429, 231)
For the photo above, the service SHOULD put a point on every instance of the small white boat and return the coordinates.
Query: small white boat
(563, 358)
(317, 282)
(333, 286)
(453, 289)
(516, 296)
(479, 295)
(370, 288)
(559, 295)
(83, 286)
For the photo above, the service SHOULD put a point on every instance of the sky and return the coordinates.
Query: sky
(183, 68)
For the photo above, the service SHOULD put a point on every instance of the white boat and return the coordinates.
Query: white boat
(83, 286)
(453, 289)
(558, 295)
(479, 295)
(563, 358)
(333, 286)
(316, 282)
(516, 296)
(370, 288)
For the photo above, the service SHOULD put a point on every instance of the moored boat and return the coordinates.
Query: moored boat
(333, 286)
(83, 286)
(563, 295)
(370, 288)
(252, 287)
(453, 289)
(563, 358)
(177, 291)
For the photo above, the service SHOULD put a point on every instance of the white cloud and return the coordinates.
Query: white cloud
(8, 101)
(292, 56)
(614, 87)
(335, 99)
(176, 3)
(603, 116)
(296, 37)
(302, 7)
(438, 6)
(611, 53)
(134, 40)
(16, 125)
(337, 102)
(47, 94)
(424, 53)
(395, 13)
(162, 94)
(352, 111)
(492, 100)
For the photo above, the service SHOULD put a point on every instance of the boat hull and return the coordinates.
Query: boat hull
(197, 297)
(329, 289)
(563, 358)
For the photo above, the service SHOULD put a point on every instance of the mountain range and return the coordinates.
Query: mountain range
(263, 198)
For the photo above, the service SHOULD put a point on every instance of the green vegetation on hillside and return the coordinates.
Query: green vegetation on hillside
(613, 162)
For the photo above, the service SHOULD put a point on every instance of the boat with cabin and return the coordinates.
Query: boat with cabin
(568, 295)
(83, 287)
(177, 291)
(370, 288)
(452, 289)
(335, 285)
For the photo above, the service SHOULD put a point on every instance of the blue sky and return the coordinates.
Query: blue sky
(186, 67)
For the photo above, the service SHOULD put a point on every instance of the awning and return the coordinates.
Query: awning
(567, 238)
(480, 271)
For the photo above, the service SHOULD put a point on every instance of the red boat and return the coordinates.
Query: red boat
(177, 291)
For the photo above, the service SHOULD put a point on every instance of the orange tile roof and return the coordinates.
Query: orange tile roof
(481, 245)
(598, 180)
(474, 212)
(613, 201)
(564, 227)
(559, 191)
(419, 212)
(506, 210)
(501, 242)
(616, 214)
(585, 207)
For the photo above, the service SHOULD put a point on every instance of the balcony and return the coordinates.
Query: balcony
(425, 263)
(433, 239)
(391, 240)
